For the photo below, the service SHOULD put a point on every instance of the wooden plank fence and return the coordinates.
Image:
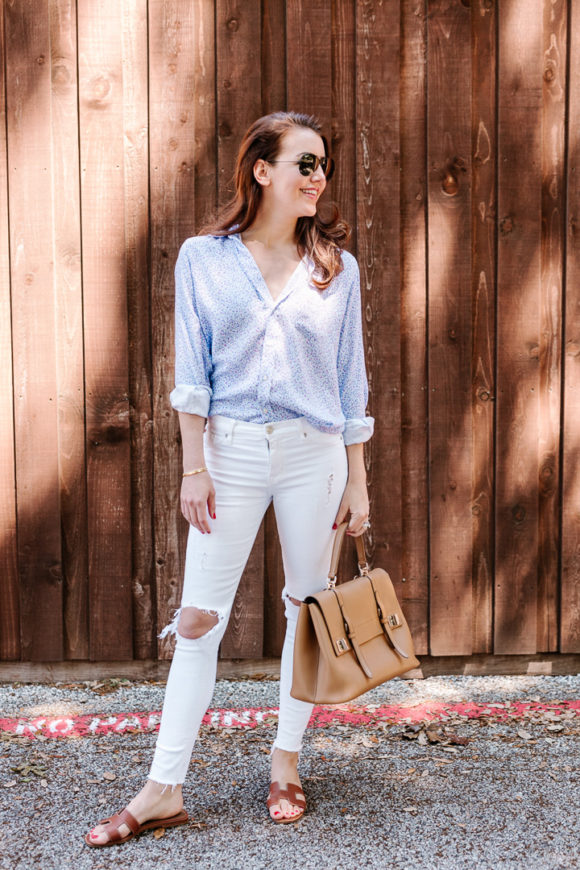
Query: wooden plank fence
(455, 128)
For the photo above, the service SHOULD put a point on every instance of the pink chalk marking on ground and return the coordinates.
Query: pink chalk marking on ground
(341, 714)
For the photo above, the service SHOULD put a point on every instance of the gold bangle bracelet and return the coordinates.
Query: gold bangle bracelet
(195, 471)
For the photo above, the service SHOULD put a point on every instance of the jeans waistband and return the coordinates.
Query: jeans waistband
(229, 427)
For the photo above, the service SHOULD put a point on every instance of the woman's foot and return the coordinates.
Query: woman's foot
(148, 804)
(285, 772)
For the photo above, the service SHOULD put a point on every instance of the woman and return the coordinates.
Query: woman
(269, 351)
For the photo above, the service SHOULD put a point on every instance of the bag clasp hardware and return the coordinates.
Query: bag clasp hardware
(394, 620)
(364, 569)
(342, 644)
(331, 582)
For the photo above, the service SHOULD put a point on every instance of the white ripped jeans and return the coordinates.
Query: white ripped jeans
(304, 472)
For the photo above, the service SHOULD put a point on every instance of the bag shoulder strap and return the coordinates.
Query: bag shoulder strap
(336, 551)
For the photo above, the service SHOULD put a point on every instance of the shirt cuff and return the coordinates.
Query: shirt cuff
(191, 400)
(358, 430)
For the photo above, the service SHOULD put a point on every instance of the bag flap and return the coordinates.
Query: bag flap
(360, 609)
(396, 624)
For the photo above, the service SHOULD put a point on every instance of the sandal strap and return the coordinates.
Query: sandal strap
(292, 793)
(124, 817)
(295, 795)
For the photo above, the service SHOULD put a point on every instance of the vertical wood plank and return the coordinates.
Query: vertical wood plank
(343, 143)
(483, 223)
(414, 476)
(518, 325)
(69, 325)
(238, 85)
(449, 324)
(9, 600)
(273, 56)
(308, 47)
(378, 187)
(239, 89)
(570, 582)
(552, 264)
(106, 328)
(136, 172)
(204, 90)
(175, 30)
(28, 93)
(274, 618)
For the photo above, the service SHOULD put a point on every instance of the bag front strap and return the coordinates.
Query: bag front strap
(351, 634)
(337, 548)
(381, 610)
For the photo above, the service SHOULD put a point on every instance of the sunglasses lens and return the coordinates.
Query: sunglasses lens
(307, 164)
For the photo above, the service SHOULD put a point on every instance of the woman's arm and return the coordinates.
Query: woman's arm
(197, 490)
(355, 498)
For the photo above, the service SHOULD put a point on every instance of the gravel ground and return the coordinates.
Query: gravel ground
(503, 800)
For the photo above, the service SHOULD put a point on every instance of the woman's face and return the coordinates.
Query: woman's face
(288, 189)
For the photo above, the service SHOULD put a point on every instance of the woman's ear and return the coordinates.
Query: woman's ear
(262, 172)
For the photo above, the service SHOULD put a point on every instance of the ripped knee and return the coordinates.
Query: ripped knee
(295, 601)
(194, 623)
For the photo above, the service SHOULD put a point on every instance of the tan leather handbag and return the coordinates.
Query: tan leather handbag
(350, 638)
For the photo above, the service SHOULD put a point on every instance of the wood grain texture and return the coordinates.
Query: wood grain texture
(449, 325)
(342, 188)
(239, 88)
(173, 60)
(10, 599)
(269, 668)
(69, 325)
(550, 362)
(414, 469)
(238, 83)
(308, 48)
(570, 543)
(518, 325)
(484, 253)
(105, 328)
(274, 618)
(204, 112)
(274, 67)
(454, 124)
(136, 198)
(378, 187)
(33, 315)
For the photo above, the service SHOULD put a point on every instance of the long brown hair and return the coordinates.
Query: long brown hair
(321, 238)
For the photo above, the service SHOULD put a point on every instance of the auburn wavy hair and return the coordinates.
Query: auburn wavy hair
(320, 238)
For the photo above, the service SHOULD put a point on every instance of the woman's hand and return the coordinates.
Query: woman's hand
(355, 498)
(355, 501)
(198, 500)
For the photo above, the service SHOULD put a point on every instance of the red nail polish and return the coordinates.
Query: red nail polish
(214, 516)
(335, 526)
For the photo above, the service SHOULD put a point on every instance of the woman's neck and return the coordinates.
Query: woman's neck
(273, 231)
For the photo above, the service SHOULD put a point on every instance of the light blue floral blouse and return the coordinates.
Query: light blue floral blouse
(244, 355)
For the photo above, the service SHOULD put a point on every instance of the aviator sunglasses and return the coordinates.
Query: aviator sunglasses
(309, 163)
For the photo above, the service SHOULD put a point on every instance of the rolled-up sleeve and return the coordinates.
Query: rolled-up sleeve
(192, 393)
(352, 378)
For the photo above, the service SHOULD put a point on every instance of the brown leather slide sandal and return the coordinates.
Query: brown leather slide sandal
(293, 794)
(125, 817)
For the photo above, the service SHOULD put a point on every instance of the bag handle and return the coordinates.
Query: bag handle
(363, 565)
